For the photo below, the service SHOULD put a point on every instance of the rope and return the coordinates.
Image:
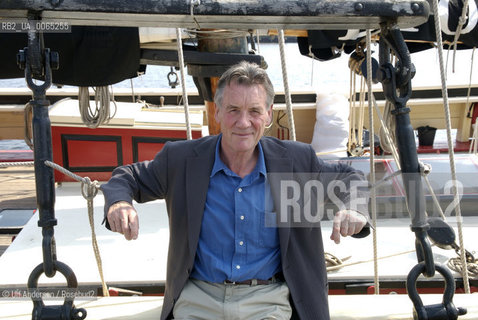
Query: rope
(475, 133)
(425, 169)
(456, 265)
(339, 266)
(217, 34)
(362, 112)
(89, 190)
(332, 260)
(17, 164)
(194, 3)
(459, 27)
(450, 144)
(386, 137)
(132, 90)
(372, 162)
(101, 114)
(288, 99)
(387, 122)
(470, 80)
(474, 138)
(355, 145)
(352, 137)
(183, 83)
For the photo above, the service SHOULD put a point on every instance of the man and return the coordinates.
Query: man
(229, 257)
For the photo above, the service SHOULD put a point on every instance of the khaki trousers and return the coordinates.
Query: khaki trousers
(201, 300)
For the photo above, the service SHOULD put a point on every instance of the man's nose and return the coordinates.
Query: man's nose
(243, 120)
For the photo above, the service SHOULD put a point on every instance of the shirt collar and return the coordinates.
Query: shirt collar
(219, 165)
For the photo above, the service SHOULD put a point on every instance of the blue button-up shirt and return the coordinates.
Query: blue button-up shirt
(238, 240)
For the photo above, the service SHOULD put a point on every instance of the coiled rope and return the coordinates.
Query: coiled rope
(456, 265)
(101, 113)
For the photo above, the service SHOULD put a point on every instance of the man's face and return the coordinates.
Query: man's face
(243, 116)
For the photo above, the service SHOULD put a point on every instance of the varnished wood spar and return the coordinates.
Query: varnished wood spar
(260, 14)
(210, 44)
(213, 126)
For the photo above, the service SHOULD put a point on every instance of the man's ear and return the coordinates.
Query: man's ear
(216, 114)
(270, 113)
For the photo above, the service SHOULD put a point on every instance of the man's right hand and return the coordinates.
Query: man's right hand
(123, 218)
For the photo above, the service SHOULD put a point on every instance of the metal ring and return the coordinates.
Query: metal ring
(71, 281)
(446, 306)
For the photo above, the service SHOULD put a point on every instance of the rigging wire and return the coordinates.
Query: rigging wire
(451, 153)
(183, 83)
(372, 162)
(288, 101)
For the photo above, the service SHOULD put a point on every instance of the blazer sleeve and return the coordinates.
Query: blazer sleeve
(142, 181)
(346, 187)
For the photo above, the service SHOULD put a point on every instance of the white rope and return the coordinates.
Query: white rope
(288, 99)
(216, 34)
(101, 114)
(474, 138)
(194, 3)
(425, 169)
(66, 172)
(474, 127)
(450, 145)
(16, 164)
(361, 111)
(385, 134)
(183, 83)
(258, 41)
(372, 163)
(132, 90)
(387, 129)
(352, 137)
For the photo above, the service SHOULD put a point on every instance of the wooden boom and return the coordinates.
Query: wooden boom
(260, 14)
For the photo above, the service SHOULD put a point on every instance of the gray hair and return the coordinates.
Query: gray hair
(247, 74)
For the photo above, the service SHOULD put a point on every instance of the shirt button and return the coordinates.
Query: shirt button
(238, 267)
(240, 189)
(241, 243)
(242, 217)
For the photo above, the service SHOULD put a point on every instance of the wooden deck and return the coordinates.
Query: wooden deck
(17, 188)
(17, 191)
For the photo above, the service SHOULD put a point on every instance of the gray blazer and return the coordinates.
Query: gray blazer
(180, 175)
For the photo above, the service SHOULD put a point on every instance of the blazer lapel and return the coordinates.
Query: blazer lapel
(279, 165)
(198, 170)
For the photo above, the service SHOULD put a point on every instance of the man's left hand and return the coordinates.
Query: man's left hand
(347, 223)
